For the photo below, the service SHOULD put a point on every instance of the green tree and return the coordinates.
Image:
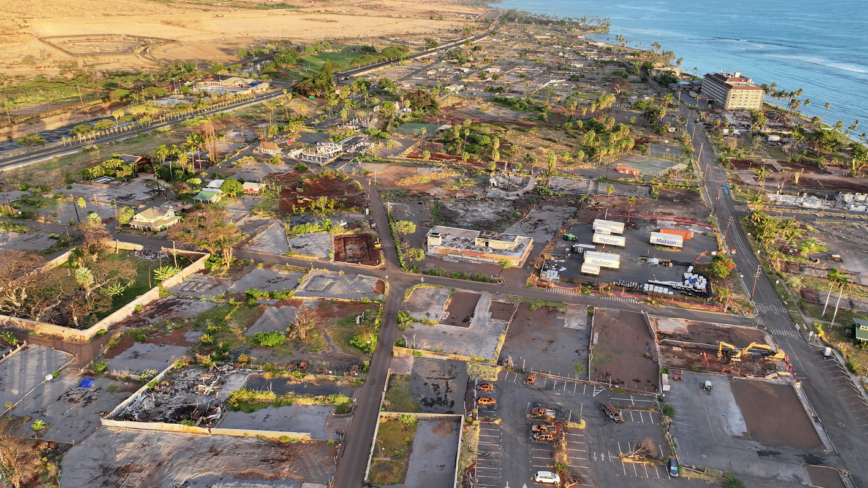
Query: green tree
(609, 190)
(551, 162)
(504, 264)
(415, 254)
(231, 187)
(404, 227)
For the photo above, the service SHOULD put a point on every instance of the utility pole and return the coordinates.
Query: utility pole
(725, 231)
(755, 278)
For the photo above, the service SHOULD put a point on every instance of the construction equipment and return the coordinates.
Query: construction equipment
(732, 349)
(569, 237)
(771, 353)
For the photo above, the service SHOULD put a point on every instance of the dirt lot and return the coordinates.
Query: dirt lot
(685, 359)
(297, 196)
(539, 341)
(619, 344)
(481, 215)
(704, 333)
(774, 415)
(825, 476)
(501, 310)
(357, 248)
(146, 459)
(460, 308)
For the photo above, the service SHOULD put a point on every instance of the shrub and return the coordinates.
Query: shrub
(732, 481)
(10, 338)
(188, 423)
(99, 367)
(668, 410)
(407, 419)
(139, 335)
(147, 375)
(269, 339)
(139, 307)
(38, 425)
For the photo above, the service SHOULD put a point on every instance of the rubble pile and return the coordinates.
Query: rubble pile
(193, 395)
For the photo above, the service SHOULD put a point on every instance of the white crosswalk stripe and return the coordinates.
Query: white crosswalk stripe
(621, 299)
(784, 332)
(561, 291)
(771, 309)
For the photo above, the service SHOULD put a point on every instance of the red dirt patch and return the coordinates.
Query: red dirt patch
(501, 310)
(299, 196)
(357, 248)
(621, 342)
(711, 334)
(774, 416)
(460, 307)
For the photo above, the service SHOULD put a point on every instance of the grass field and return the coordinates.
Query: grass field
(51, 172)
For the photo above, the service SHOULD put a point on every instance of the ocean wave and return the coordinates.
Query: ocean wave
(822, 62)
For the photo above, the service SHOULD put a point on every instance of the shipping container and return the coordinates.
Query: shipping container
(686, 234)
(614, 227)
(666, 239)
(580, 248)
(592, 269)
(608, 239)
(603, 259)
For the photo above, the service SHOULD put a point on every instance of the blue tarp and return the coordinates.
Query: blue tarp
(86, 383)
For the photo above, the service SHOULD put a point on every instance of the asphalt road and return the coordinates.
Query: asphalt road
(841, 409)
(43, 154)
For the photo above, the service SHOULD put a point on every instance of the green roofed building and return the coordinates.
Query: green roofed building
(861, 327)
(207, 196)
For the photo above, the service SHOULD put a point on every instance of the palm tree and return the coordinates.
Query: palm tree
(196, 140)
(761, 174)
(827, 108)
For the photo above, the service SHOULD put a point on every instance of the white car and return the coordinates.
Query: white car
(547, 477)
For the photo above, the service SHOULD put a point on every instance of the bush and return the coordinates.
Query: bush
(300, 167)
(407, 419)
(188, 423)
(99, 367)
(668, 410)
(38, 425)
(269, 339)
(147, 375)
(732, 481)
(10, 338)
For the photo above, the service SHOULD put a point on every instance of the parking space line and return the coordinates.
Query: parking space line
(646, 470)
(636, 473)
(565, 386)
(631, 417)
(619, 448)
(657, 472)
(575, 385)
(584, 387)
(661, 449)
(486, 467)
(624, 468)
(578, 450)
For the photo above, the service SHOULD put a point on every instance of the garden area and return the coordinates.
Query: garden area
(392, 449)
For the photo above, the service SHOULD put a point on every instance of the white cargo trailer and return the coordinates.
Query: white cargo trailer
(609, 239)
(603, 259)
(591, 269)
(613, 227)
(667, 239)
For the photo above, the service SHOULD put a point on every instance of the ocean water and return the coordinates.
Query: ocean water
(819, 46)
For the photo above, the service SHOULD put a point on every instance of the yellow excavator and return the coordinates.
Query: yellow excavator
(771, 353)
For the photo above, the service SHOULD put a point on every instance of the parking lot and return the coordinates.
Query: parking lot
(713, 430)
(633, 269)
(509, 455)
